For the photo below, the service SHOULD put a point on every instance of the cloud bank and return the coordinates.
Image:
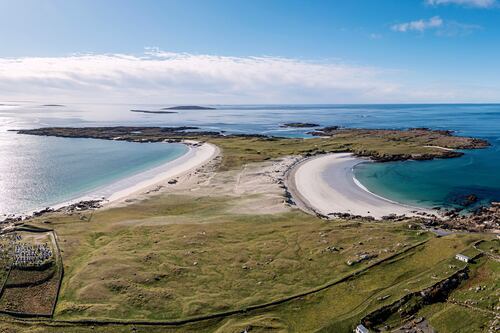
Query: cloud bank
(162, 77)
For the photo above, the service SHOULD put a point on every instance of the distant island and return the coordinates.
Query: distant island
(53, 105)
(158, 112)
(300, 125)
(189, 107)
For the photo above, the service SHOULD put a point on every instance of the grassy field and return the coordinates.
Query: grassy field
(339, 307)
(472, 307)
(188, 269)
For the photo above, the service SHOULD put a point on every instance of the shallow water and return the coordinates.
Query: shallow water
(40, 171)
(426, 183)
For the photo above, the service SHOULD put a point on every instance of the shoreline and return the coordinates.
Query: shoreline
(198, 154)
(148, 180)
(325, 185)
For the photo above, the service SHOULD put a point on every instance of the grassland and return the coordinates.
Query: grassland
(189, 269)
(474, 306)
(225, 241)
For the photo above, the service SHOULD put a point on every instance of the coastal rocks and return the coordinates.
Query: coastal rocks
(329, 130)
(347, 216)
(80, 206)
(485, 218)
(43, 211)
(69, 209)
(466, 200)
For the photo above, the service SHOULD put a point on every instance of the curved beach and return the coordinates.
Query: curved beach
(326, 185)
(131, 187)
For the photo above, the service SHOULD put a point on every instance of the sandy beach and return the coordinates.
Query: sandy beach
(196, 157)
(342, 193)
(148, 181)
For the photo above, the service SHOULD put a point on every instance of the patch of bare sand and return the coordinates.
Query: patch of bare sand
(258, 189)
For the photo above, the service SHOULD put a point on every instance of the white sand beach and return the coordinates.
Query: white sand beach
(196, 157)
(147, 181)
(342, 193)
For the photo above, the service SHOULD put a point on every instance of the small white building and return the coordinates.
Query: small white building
(361, 329)
(462, 257)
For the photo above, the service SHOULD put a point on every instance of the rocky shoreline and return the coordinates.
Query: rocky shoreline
(79, 206)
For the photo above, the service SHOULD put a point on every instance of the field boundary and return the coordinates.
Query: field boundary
(59, 266)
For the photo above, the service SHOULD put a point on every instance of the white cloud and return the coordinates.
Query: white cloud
(176, 77)
(438, 25)
(467, 3)
(419, 25)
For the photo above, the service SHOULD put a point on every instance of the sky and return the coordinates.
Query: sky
(250, 52)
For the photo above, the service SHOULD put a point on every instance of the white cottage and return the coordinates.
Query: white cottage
(462, 257)
(361, 329)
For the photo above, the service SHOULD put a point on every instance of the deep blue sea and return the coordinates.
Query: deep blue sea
(38, 171)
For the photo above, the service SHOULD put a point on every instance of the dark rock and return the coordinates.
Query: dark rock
(299, 125)
(189, 107)
(154, 112)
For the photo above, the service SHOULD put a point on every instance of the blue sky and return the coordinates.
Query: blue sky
(369, 51)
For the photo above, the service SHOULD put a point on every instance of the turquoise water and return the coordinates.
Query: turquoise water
(431, 183)
(442, 183)
(36, 172)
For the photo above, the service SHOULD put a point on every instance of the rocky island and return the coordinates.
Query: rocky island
(189, 107)
(153, 112)
(299, 125)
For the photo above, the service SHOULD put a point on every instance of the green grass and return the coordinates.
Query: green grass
(176, 270)
(239, 151)
(450, 318)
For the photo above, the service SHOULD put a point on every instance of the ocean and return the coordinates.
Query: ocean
(36, 172)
